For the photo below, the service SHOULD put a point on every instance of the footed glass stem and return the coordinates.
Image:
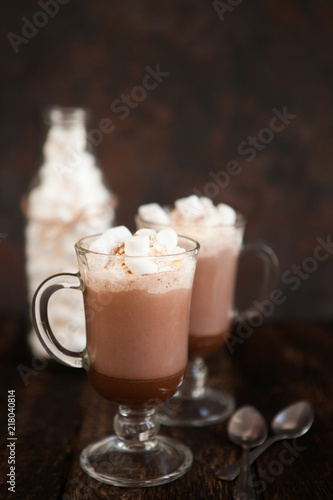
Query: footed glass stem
(136, 456)
(195, 404)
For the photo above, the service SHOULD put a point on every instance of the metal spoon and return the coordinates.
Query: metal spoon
(290, 423)
(246, 428)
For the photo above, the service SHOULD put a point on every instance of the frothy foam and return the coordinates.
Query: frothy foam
(163, 282)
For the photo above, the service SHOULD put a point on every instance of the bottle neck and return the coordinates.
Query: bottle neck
(66, 137)
(65, 117)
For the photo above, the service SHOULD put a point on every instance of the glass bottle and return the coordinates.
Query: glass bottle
(68, 201)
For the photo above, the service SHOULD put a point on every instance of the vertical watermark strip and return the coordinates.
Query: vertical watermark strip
(11, 445)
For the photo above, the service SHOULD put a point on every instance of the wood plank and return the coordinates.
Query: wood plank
(47, 420)
(58, 413)
(291, 364)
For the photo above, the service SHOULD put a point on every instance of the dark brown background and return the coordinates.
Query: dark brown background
(225, 79)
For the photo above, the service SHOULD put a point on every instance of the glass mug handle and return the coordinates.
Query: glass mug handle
(41, 323)
(270, 274)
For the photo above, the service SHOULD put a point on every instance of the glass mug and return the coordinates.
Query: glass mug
(136, 355)
(212, 315)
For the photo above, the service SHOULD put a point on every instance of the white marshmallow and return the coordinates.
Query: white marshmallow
(145, 232)
(206, 202)
(159, 249)
(117, 235)
(167, 238)
(101, 245)
(178, 249)
(228, 216)
(153, 212)
(137, 245)
(212, 217)
(191, 206)
(141, 266)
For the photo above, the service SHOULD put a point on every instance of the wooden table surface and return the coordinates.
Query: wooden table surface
(57, 413)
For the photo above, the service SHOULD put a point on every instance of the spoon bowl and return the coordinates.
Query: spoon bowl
(294, 420)
(246, 428)
(290, 423)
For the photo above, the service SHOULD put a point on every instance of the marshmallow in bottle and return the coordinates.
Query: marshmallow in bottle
(69, 202)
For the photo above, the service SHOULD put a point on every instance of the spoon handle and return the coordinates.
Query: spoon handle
(244, 489)
(230, 472)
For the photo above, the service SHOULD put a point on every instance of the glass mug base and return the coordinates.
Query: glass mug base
(113, 461)
(211, 407)
(195, 404)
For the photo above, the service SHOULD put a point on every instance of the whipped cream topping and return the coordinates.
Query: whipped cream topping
(120, 251)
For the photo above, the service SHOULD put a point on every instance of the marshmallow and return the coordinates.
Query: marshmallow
(153, 212)
(212, 217)
(141, 266)
(117, 235)
(137, 246)
(139, 250)
(228, 216)
(206, 202)
(70, 190)
(100, 245)
(178, 249)
(191, 206)
(103, 247)
(146, 232)
(167, 238)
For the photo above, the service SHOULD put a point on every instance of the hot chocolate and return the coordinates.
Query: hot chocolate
(219, 231)
(137, 293)
(137, 318)
(220, 239)
(136, 392)
(137, 342)
(212, 300)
